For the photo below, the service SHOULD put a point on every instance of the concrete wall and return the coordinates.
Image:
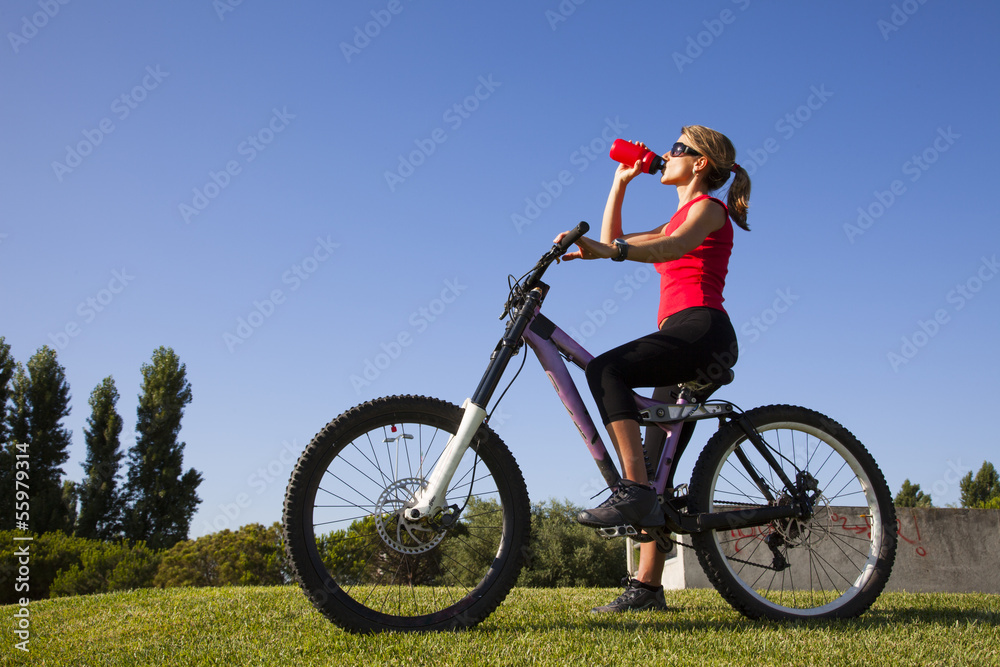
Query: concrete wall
(940, 551)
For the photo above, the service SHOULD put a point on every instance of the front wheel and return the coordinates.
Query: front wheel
(361, 562)
(833, 564)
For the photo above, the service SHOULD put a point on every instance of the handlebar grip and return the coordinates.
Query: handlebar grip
(571, 238)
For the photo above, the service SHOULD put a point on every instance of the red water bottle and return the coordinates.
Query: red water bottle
(628, 153)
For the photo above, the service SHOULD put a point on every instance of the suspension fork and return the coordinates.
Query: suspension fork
(429, 500)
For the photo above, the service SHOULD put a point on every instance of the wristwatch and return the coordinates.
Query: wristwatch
(622, 246)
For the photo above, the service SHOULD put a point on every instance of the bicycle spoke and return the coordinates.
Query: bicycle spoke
(796, 567)
(407, 573)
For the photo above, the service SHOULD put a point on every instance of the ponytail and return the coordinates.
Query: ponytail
(738, 200)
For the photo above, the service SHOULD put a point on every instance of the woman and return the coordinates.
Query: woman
(694, 337)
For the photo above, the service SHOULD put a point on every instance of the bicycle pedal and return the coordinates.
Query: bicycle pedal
(611, 532)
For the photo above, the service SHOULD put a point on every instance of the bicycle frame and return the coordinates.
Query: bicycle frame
(550, 345)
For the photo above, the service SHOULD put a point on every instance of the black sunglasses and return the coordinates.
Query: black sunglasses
(679, 149)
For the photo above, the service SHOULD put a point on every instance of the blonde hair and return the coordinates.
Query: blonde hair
(722, 162)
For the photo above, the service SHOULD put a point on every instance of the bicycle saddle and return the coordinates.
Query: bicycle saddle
(707, 388)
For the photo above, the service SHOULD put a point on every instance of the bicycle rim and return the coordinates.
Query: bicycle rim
(365, 566)
(833, 564)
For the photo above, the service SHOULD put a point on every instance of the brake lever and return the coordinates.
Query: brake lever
(554, 253)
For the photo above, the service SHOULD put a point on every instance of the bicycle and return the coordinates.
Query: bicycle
(382, 536)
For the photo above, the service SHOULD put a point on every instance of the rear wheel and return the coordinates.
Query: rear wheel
(368, 568)
(833, 564)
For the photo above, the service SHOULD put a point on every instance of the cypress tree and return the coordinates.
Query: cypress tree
(161, 499)
(101, 502)
(7, 468)
(16, 426)
(7, 367)
(41, 401)
(17, 417)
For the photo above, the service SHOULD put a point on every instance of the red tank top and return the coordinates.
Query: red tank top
(697, 278)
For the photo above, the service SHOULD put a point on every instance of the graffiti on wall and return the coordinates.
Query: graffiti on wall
(859, 524)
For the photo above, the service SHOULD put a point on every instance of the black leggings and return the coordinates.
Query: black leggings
(694, 344)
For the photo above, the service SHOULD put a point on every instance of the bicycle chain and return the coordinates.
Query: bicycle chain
(735, 560)
(650, 538)
(763, 567)
(740, 560)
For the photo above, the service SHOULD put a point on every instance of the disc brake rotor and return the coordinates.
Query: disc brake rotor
(399, 533)
(799, 532)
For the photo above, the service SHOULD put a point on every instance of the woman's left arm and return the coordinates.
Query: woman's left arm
(704, 218)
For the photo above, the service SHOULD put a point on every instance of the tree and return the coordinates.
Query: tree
(7, 457)
(980, 491)
(7, 367)
(160, 497)
(101, 502)
(17, 418)
(910, 495)
(41, 402)
(16, 432)
(71, 499)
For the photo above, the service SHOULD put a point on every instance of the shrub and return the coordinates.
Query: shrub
(252, 555)
(64, 565)
(564, 553)
(108, 566)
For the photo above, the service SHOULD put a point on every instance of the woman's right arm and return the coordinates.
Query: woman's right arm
(611, 225)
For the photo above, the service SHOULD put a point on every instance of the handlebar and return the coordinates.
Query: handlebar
(534, 276)
(557, 251)
(571, 238)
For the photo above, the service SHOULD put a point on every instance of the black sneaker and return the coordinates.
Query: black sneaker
(635, 598)
(631, 504)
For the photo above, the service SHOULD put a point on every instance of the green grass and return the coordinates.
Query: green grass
(277, 626)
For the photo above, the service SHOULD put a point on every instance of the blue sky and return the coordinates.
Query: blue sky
(316, 204)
